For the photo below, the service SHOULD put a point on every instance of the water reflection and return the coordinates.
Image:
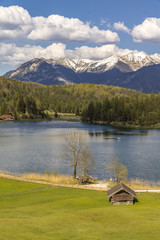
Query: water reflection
(118, 133)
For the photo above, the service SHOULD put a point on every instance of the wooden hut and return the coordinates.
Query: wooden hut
(6, 117)
(121, 195)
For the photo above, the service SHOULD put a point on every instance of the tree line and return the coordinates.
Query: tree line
(138, 110)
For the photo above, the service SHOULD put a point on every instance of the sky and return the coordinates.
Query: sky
(88, 29)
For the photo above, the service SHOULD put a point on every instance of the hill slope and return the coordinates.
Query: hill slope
(146, 79)
(95, 103)
(31, 99)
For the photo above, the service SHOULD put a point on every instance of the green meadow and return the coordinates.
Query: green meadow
(39, 212)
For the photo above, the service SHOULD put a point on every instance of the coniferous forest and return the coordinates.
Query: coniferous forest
(140, 110)
(94, 103)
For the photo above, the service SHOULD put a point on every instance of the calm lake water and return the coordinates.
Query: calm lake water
(37, 146)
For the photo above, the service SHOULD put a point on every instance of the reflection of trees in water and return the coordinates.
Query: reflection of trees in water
(119, 133)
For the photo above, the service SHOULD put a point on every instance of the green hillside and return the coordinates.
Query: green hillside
(29, 100)
(94, 103)
(40, 212)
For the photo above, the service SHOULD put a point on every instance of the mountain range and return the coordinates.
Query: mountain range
(136, 70)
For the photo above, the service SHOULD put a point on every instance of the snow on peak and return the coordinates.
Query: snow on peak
(132, 61)
(137, 60)
(81, 65)
(136, 56)
(156, 57)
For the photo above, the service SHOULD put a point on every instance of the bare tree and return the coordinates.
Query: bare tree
(86, 161)
(77, 151)
(119, 170)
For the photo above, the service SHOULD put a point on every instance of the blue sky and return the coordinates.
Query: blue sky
(77, 29)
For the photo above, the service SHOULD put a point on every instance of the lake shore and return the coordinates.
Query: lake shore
(124, 125)
(75, 118)
(68, 181)
(119, 125)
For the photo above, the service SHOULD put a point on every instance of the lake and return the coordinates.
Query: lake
(37, 146)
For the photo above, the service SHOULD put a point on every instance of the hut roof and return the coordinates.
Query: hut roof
(6, 116)
(119, 187)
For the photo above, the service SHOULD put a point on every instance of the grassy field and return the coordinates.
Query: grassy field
(63, 116)
(39, 212)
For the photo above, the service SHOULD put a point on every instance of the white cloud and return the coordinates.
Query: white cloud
(63, 29)
(13, 55)
(103, 21)
(121, 27)
(55, 51)
(16, 22)
(148, 31)
(93, 52)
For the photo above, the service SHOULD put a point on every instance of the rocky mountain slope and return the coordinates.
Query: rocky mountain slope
(119, 71)
(146, 79)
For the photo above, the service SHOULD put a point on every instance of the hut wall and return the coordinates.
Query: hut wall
(125, 197)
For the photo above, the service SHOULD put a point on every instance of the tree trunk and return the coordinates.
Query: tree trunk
(74, 171)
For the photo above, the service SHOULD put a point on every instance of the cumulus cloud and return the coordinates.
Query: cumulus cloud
(16, 22)
(148, 31)
(13, 55)
(121, 27)
(94, 53)
(63, 29)
(97, 53)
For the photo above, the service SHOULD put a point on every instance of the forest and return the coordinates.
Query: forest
(94, 103)
(139, 110)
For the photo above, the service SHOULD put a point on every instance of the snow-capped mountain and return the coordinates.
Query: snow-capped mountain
(137, 60)
(132, 62)
(72, 71)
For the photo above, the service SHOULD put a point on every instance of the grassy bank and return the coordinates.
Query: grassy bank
(39, 212)
(136, 184)
(50, 178)
(50, 117)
